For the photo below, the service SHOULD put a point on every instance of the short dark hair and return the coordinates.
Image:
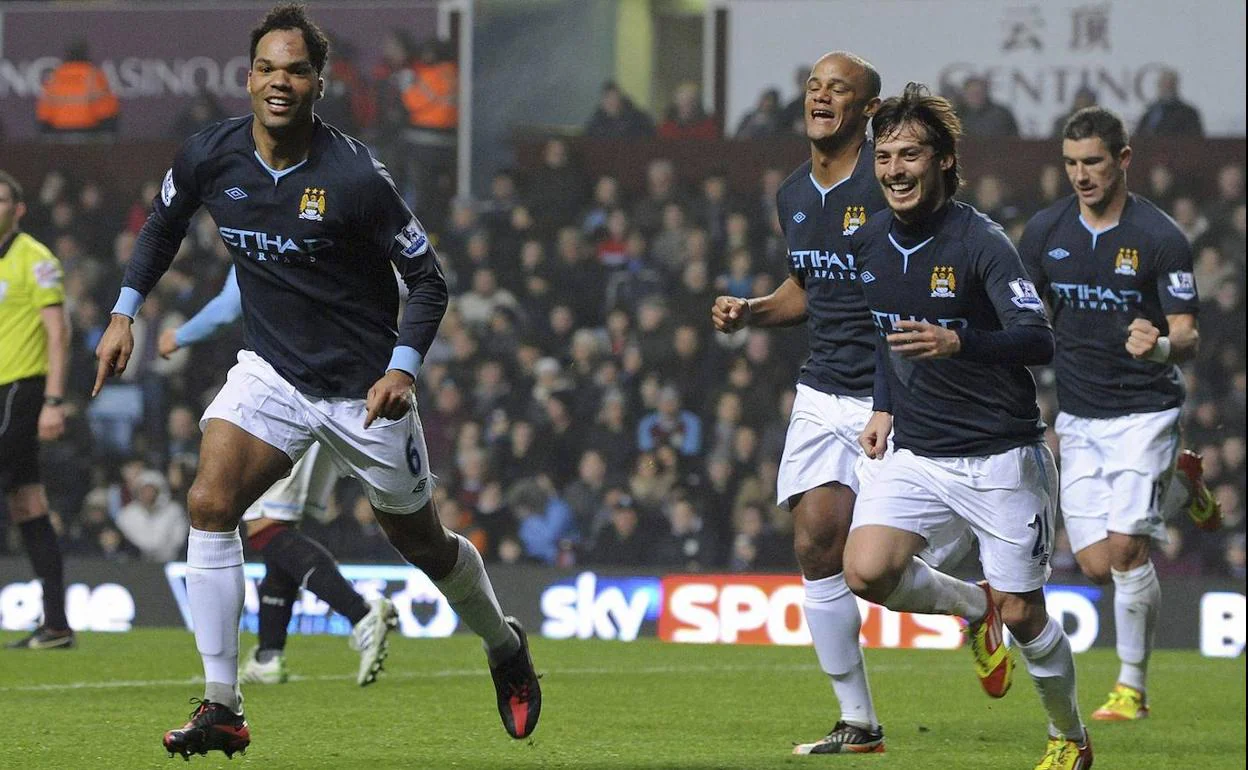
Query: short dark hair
(294, 16)
(935, 114)
(1098, 123)
(15, 188)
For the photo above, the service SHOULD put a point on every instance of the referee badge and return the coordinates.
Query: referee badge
(312, 204)
(944, 284)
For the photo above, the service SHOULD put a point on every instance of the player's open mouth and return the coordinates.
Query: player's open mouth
(279, 105)
(903, 188)
(822, 115)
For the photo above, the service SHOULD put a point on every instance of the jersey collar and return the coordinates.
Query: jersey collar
(7, 243)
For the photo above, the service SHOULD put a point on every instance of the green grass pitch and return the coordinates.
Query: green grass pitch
(606, 705)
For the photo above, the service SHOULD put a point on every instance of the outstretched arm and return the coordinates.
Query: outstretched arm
(221, 311)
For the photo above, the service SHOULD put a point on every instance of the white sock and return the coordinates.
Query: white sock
(467, 589)
(1137, 604)
(214, 591)
(923, 589)
(834, 620)
(1052, 666)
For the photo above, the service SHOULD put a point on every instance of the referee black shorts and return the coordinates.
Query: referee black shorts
(20, 403)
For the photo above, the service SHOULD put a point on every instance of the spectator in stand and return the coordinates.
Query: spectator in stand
(477, 306)
(1187, 216)
(1169, 115)
(544, 519)
(607, 198)
(1162, 186)
(626, 540)
(154, 523)
(495, 211)
(686, 119)
(585, 495)
(981, 116)
(668, 245)
(764, 120)
(555, 191)
(669, 425)
(992, 198)
(94, 534)
(398, 50)
(756, 546)
(1230, 195)
(661, 189)
(347, 102)
(793, 116)
(617, 117)
(1084, 97)
(76, 102)
(203, 111)
(356, 535)
(686, 545)
(430, 96)
(710, 210)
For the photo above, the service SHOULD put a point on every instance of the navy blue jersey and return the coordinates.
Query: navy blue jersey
(959, 271)
(313, 246)
(1096, 285)
(817, 227)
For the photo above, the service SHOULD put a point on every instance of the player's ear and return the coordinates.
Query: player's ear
(873, 104)
(320, 88)
(1124, 157)
(947, 161)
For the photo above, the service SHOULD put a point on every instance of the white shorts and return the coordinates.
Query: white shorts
(389, 458)
(1114, 474)
(1008, 499)
(307, 488)
(821, 445)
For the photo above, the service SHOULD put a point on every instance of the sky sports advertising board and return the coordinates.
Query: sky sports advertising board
(1202, 613)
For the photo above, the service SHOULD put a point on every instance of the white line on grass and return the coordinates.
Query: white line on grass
(442, 674)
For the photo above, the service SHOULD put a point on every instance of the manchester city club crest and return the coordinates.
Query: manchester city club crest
(944, 284)
(855, 217)
(312, 204)
(1127, 262)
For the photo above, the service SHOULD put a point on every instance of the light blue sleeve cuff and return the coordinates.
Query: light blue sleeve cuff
(128, 302)
(405, 359)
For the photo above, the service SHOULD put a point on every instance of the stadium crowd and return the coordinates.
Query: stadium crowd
(577, 405)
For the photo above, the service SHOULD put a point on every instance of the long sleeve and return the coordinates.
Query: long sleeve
(882, 400)
(405, 243)
(1026, 345)
(221, 311)
(161, 234)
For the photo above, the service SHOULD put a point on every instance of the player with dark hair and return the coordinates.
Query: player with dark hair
(34, 354)
(820, 206)
(1117, 274)
(292, 560)
(959, 323)
(316, 229)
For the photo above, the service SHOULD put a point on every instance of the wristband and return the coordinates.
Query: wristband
(1161, 351)
(53, 401)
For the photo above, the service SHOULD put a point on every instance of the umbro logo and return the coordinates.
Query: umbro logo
(236, 193)
(1059, 253)
(799, 217)
(420, 486)
(867, 277)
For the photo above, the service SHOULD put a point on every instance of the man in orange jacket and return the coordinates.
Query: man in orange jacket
(76, 98)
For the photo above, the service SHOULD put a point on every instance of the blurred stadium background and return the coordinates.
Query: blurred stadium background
(611, 167)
